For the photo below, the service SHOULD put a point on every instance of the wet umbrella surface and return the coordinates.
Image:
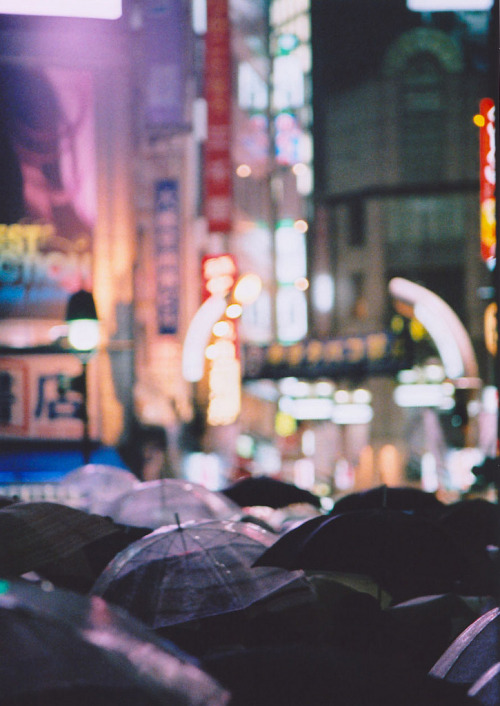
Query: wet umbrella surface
(183, 573)
(63, 544)
(406, 554)
(156, 503)
(473, 659)
(392, 497)
(58, 647)
(95, 485)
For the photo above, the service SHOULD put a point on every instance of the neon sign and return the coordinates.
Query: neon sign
(487, 180)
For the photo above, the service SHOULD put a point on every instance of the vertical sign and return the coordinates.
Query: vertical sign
(164, 48)
(167, 241)
(217, 175)
(487, 180)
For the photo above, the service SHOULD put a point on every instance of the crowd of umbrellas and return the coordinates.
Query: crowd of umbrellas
(166, 592)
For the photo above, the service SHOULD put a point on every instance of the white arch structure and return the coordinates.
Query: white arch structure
(443, 325)
(198, 337)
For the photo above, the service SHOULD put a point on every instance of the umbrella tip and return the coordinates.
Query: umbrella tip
(177, 519)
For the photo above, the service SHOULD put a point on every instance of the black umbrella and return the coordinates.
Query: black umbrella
(59, 647)
(270, 492)
(406, 554)
(473, 652)
(70, 547)
(427, 625)
(486, 689)
(392, 497)
(300, 674)
(474, 522)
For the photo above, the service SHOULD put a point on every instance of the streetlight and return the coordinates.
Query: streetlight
(83, 337)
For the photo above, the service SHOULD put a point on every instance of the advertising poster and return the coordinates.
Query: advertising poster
(47, 188)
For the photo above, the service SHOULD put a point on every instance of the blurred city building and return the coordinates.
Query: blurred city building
(158, 156)
(397, 195)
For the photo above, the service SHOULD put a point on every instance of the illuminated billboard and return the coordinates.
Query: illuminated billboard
(487, 180)
(96, 9)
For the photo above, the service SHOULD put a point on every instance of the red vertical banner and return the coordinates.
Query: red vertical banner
(487, 179)
(217, 171)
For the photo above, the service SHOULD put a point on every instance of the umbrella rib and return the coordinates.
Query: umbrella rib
(484, 679)
(448, 659)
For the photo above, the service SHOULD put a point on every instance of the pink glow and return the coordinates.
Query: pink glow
(99, 9)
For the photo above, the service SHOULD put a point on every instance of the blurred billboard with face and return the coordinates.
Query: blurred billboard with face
(47, 188)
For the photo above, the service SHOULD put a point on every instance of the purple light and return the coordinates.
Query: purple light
(97, 9)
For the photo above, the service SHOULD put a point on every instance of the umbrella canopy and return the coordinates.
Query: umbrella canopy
(94, 486)
(156, 503)
(184, 573)
(392, 497)
(406, 554)
(427, 625)
(299, 674)
(474, 522)
(473, 652)
(270, 492)
(59, 648)
(486, 689)
(36, 533)
(63, 544)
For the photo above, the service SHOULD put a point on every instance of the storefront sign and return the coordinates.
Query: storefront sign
(34, 404)
(351, 356)
(167, 242)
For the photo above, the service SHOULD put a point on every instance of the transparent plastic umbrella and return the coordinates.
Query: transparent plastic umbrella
(183, 573)
(156, 503)
(58, 647)
(94, 486)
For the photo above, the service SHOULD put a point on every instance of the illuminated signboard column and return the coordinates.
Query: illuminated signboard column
(291, 182)
(487, 180)
(217, 168)
(219, 275)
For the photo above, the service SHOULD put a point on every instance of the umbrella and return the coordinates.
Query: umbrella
(406, 554)
(296, 674)
(63, 544)
(156, 503)
(486, 689)
(94, 486)
(427, 625)
(183, 573)
(59, 648)
(392, 497)
(473, 652)
(270, 492)
(475, 522)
